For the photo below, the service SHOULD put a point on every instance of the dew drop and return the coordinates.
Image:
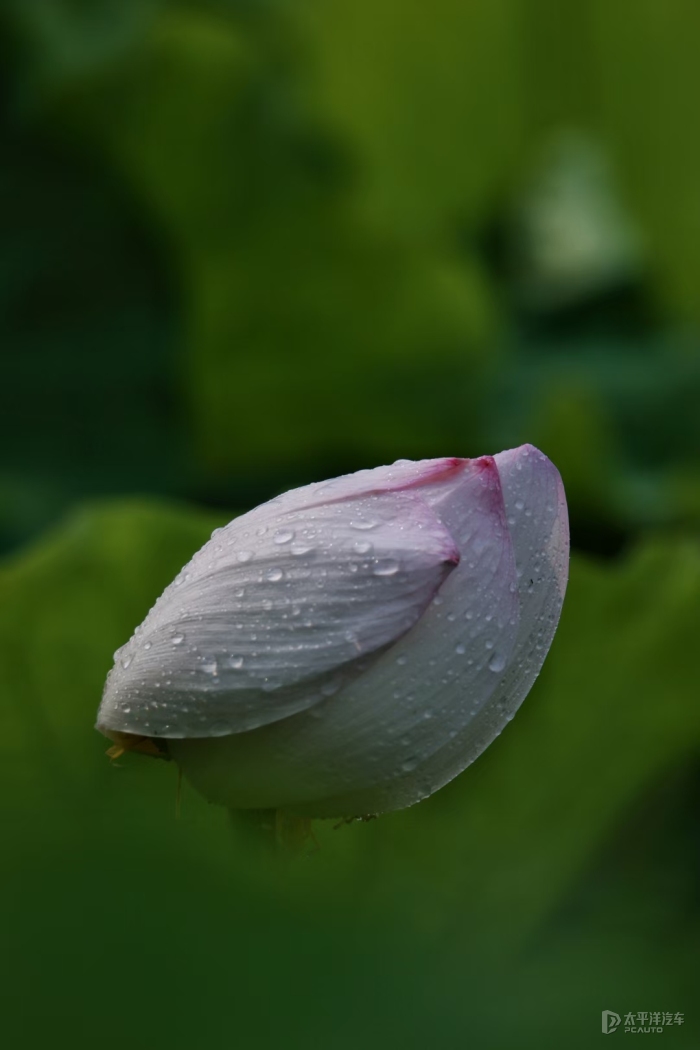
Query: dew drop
(460, 649)
(273, 575)
(283, 536)
(177, 639)
(497, 662)
(126, 661)
(519, 505)
(389, 567)
(362, 547)
(244, 556)
(401, 660)
(147, 645)
(217, 728)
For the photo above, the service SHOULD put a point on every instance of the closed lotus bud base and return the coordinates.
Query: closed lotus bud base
(351, 646)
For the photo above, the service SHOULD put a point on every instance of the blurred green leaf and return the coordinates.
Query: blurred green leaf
(437, 113)
(647, 80)
(478, 872)
(315, 334)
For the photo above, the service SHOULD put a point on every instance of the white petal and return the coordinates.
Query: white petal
(279, 611)
(403, 475)
(366, 749)
(539, 525)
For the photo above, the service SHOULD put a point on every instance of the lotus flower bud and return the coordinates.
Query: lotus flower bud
(351, 646)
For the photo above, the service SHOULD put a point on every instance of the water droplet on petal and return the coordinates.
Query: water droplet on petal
(387, 567)
(273, 575)
(460, 649)
(244, 556)
(497, 662)
(126, 661)
(519, 505)
(177, 639)
(362, 547)
(283, 536)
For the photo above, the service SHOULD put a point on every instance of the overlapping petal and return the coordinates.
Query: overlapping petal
(537, 519)
(277, 612)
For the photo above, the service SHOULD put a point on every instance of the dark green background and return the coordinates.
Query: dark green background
(249, 244)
